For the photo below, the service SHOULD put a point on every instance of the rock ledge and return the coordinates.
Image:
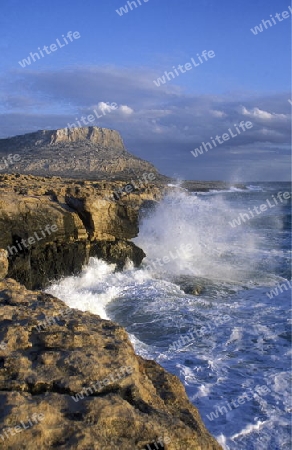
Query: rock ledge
(42, 367)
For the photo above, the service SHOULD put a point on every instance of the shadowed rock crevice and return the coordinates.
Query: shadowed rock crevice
(77, 205)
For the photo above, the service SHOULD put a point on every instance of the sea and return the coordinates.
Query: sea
(211, 304)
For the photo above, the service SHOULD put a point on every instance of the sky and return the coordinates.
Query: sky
(115, 57)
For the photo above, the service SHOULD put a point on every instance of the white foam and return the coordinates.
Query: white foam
(246, 351)
(218, 251)
(236, 335)
(222, 441)
(252, 187)
(84, 291)
(249, 429)
(97, 286)
(203, 391)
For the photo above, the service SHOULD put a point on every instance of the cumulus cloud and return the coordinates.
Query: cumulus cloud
(124, 109)
(103, 107)
(260, 114)
(110, 107)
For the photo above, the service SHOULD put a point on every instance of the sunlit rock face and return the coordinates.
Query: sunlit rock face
(51, 226)
(85, 153)
(71, 380)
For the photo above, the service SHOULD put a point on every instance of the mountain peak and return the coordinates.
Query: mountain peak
(85, 152)
(96, 135)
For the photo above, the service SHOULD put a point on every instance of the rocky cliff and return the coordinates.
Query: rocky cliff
(85, 153)
(50, 227)
(70, 380)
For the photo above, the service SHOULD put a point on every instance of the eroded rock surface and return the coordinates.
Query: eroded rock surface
(3, 263)
(85, 153)
(51, 226)
(49, 354)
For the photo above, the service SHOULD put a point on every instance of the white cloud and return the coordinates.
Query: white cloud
(124, 109)
(260, 114)
(269, 133)
(216, 113)
(104, 107)
(107, 108)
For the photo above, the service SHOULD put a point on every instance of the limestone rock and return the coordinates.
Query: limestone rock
(118, 252)
(51, 353)
(86, 220)
(84, 153)
(190, 285)
(3, 263)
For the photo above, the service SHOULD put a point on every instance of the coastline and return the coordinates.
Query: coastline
(50, 359)
(43, 372)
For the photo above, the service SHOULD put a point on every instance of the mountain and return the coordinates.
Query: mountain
(87, 153)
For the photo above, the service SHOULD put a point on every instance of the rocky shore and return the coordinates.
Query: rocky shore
(68, 379)
(86, 219)
(44, 368)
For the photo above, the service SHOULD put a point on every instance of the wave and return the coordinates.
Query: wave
(216, 251)
(188, 237)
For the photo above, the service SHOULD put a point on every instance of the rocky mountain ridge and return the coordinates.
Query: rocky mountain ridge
(85, 153)
(100, 136)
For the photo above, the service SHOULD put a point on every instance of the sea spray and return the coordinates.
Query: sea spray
(251, 348)
(183, 219)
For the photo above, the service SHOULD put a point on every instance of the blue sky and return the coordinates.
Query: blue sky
(117, 58)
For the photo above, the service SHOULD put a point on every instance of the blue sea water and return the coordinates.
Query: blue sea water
(236, 362)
